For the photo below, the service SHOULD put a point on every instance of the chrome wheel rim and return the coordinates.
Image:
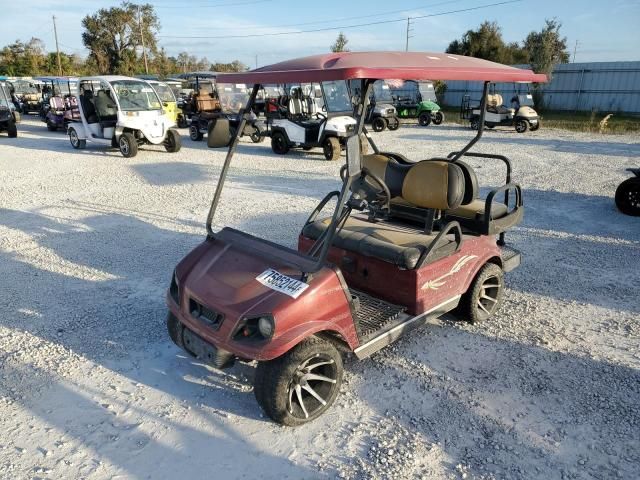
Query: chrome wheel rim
(488, 299)
(312, 386)
(124, 146)
(73, 137)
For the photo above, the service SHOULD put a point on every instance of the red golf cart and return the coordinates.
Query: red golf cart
(404, 243)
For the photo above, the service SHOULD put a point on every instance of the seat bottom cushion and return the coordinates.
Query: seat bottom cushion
(397, 244)
(475, 210)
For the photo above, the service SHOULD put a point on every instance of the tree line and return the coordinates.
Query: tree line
(114, 38)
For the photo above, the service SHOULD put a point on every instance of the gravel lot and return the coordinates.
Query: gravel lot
(91, 386)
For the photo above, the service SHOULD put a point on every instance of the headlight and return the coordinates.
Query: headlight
(265, 326)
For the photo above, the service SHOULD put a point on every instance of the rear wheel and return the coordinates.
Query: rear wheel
(182, 122)
(194, 133)
(76, 142)
(534, 126)
(279, 143)
(484, 296)
(173, 142)
(424, 119)
(256, 137)
(52, 127)
(438, 118)
(12, 129)
(128, 145)
(393, 123)
(474, 123)
(521, 126)
(628, 197)
(331, 148)
(378, 124)
(302, 384)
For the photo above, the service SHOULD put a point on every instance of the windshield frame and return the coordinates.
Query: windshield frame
(5, 96)
(335, 105)
(381, 86)
(113, 84)
(164, 91)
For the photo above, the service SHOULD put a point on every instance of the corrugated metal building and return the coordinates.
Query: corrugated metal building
(603, 86)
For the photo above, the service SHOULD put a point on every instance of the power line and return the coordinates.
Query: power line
(273, 34)
(315, 22)
(207, 5)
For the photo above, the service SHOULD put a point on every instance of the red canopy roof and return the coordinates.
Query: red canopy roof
(383, 65)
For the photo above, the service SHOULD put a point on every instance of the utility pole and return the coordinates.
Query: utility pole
(55, 33)
(575, 47)
(406, 47)
(256, 60)
(144, 50)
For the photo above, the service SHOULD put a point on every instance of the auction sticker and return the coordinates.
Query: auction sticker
(282, 283)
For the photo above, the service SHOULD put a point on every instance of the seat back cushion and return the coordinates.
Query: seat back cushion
(471, 188)
(427, 184)
(494, 100)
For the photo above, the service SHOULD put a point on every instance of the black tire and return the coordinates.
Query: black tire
(281, 384)
(424, 119)
(52, 127)
(307, 148)
(279, 143)
(474, 123)
(628, 197)
(393, 124)
(378, 124)
(521, 126)
(364, 144)
(331, 148)
(256, 137)
(534, 127)
(76, 142)
(128, 145)
(438, 118)
(484, 296)
(173, 142)
(182, 122)
(194, 133)
(12, 129)
(174, 327)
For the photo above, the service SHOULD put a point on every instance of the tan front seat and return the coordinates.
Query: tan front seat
(205, 102)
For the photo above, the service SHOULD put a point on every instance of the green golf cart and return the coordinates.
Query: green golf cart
(417, 100)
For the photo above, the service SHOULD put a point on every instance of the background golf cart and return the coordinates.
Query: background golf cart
(356, 282)
(519, 114)
(169, 102)
(29, 94)
(381, 114)
(416, 99)
(59, 103)
(628, 194)
(9, 116)
(310, 115)
(121, 112)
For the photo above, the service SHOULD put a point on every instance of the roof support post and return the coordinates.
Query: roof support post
(227, 161)
(483, 110)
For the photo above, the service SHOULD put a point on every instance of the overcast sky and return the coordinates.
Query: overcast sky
(605, 30)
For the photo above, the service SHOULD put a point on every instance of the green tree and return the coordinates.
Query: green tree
(235, 66)
(340, 45)
(113, 36)
(486, 42)
(547, 47)
(164, 65)
(23, 59)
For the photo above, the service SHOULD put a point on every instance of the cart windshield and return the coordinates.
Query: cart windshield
(5, 96)
(427, 91)
(233, 97)
(337, 98)
(381, 91)
(136, 96)
(164, 92)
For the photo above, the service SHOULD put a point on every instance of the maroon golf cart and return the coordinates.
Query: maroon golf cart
(404, 242)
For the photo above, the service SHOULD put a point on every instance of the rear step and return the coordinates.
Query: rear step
(510, 258)
(380, 323)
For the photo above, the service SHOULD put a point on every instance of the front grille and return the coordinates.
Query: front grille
(205, 314)
(390, 111)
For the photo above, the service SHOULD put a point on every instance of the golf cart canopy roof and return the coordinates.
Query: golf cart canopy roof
(383, 65)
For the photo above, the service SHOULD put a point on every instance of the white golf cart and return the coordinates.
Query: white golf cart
(520, 114)
(312, 115)
(121, 112)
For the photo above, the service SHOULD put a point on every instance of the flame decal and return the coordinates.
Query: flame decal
(436, 283)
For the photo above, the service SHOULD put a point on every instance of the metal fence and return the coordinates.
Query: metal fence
(607, 87)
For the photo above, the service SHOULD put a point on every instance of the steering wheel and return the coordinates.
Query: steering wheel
(370, 188)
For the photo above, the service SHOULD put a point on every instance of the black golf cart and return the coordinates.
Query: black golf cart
(9, 117)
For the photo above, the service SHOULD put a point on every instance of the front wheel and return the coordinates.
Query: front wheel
(484, 296)
(438, 118)
(173, 142)
(75, 141)
(302, 384)
(182, 122)
(628, 197)
(535, 126)
(279, 143)
(128, 145)
(12, 129)
(256, 136)
(378, 124)
(393, 124)
(521, 126)
(331, 148)
(474, 124)
(424, 119)
(194, 133)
